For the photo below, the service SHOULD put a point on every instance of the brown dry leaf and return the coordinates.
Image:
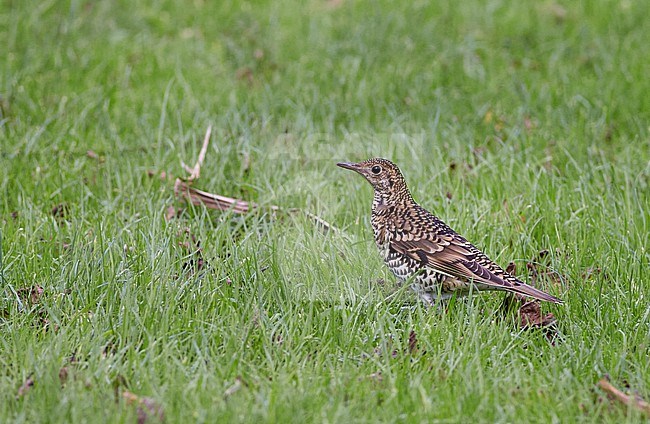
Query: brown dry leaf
(413, 343)
(171, 212)
(45, 324)
(245, 74)
(542, 255)
(530, 314)
(25, 387)
(529, 311)
(195, 261)
(147, 407)
(31, 294)
(60, 211)
(277, 338)
(63, 375)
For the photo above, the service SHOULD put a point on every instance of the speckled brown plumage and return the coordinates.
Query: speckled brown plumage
(418, 247)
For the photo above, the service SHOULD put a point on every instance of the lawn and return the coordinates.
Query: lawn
(524, 125)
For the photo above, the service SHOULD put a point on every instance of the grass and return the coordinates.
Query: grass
(532, 116)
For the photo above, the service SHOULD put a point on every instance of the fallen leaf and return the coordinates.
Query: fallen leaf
(147, 407)
(25, 387)
(171, 213)
(531, 315)
(30, 294)
(542, 254)
(413, 342)
(246, 74)
(63, 375)
(529, 312)
(60, 211)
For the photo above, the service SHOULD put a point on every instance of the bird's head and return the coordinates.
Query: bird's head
(384, 176)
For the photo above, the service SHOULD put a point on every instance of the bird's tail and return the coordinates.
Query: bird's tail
(531, 291)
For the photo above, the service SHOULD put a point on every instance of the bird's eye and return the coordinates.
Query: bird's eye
(375, 169)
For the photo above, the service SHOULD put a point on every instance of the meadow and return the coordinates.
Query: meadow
(523, 125)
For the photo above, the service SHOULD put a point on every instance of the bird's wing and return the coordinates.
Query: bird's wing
(452, 255)
(449, 254)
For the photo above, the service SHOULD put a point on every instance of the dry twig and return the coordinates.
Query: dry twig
(183, 188)
(196, 171)
(212, 201)
(625, 399)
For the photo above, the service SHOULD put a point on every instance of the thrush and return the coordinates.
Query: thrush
(419, 248)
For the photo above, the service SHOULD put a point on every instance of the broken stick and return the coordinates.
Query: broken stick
(625, 399)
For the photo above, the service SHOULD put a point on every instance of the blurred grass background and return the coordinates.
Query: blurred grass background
(524, 125)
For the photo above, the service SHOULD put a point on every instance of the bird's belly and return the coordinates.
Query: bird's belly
(402, 267)
(424, 280)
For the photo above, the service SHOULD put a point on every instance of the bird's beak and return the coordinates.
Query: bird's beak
(350, 165)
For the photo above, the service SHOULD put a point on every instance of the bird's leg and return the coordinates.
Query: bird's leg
(440, 303)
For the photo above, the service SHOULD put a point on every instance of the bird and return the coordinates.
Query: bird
(420, 249)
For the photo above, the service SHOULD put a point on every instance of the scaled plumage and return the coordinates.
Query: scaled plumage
(417, 245)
